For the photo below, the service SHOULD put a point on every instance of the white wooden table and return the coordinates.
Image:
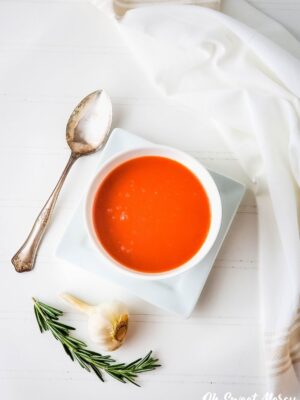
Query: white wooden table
(53, 53)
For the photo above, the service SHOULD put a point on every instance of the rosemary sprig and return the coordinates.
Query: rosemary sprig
(48, 320)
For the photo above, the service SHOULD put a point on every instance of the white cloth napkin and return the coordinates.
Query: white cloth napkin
(245, 79)
(119, 8)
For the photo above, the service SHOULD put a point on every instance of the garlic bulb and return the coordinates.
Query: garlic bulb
(107, 322)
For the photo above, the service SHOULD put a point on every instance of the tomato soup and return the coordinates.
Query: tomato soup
(151, 214)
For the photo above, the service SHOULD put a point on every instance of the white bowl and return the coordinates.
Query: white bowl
(194, 166)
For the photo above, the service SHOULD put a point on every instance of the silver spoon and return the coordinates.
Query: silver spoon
(87, 131)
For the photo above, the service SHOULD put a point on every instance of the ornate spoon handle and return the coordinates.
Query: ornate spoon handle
(25, 257)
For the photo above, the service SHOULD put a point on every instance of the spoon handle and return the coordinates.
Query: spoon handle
(25, 257)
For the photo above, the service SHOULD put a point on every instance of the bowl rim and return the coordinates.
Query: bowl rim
(192, 165)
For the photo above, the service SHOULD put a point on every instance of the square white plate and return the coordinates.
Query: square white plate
(178, 294)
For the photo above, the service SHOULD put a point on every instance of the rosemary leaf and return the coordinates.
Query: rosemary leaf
(97, 372)
(68, 351)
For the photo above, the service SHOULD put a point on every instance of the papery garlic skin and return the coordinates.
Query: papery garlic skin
(107, 323)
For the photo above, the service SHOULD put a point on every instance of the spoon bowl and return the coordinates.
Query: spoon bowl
(89, 124)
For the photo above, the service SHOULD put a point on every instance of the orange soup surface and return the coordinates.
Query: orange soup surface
(151, 214)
